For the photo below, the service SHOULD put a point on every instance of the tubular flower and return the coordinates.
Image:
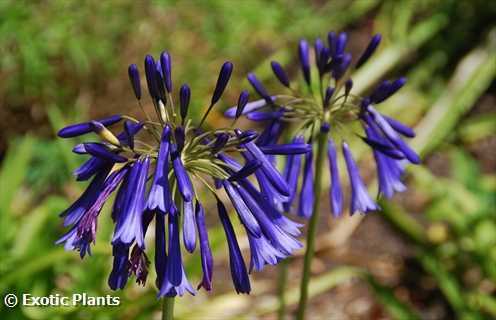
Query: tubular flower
(324, 104)
(157, 167)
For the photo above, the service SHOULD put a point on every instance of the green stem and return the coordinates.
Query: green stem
(312, 226)
(281, 288)
(168, 308)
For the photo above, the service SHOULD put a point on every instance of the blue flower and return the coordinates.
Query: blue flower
(140, 171)
(334, 107)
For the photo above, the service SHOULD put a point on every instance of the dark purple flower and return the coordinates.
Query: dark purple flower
(84, 231)
(248, 169)
(239, 273)
(389, 172)
(99, 150)
(259, 88)
(184, 97)
(87, 199)
(183, 181)
(374, 42)
(360, 199)
(400, 127)
(280, 73)
(307, 196)
(328, 95)
(331, 40)
(219, 143)
(391, 134)
(288, 226)
(206, 253)
(128, 226)
(267, 167)
(165, 64)
(287, 149)
(159, 197)
(86, 127)
(120, 267)
(89, 168)
(341, 43)
(264, 116)
(244, 213)
(189, 230)
(292, 173)
(341, 68)
(242, 102)
(180, 136)
(224, 76)
(160, 252)
(303, 53)
(151, 76)
(279, 239)
(386, 89)
(134, 78)
(175, 281)
(250, 107)
(130, 130)
(138, 264)
(336, 194)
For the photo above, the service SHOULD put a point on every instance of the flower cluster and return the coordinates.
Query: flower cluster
(326, 105)
(158, 177)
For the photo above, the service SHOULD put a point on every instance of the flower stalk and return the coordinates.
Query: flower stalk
(168, 308)
(312, 225)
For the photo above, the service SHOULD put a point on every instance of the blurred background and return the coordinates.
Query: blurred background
(430, 254)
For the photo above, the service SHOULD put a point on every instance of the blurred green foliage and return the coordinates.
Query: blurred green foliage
(60, 60)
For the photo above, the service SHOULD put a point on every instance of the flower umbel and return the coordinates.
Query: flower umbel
(159, 167)
(324, 103)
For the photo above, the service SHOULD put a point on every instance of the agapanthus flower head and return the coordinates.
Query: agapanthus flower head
(157, 168)
(328, 108)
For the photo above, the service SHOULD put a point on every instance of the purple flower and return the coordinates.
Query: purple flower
(151, 76)
(292, 173)
(250, 107)
(278, 238)
(159, 197)
(184, 97)
(336, 194)
(160, 251)
(400, 127)
(341, 43)
(130, 130)
(189, 231)
(360, 199)
(242, 102)
(138, 264)
(268, 168)
(280, 73)
(307, 192)
(87, 199)
(128, 227)
(248, 169)
(259, 88)
(288, 226)
(244, 213)
(239, 273)
(206, 252)
(331, 40)
(287, 149)
(86, 127)
(134, 78)
(165, 64)
(99, 150)
(303, 53)
(328, 95)
(120, 267)
(391, 134)
(367, 53)
(224, 76)
(175, 281)
(183, 181)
